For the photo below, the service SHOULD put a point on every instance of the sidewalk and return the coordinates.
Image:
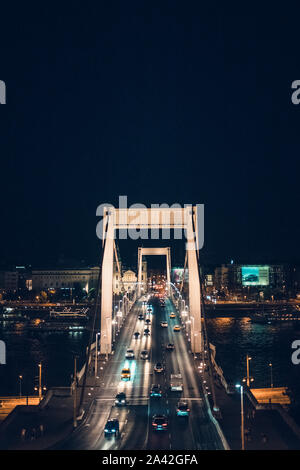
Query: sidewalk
(264, 429)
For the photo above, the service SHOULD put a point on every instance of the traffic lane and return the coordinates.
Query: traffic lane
(203, 429)
(113, 442)
(181, 432)
(139, 421)
(181, 436)
(112, 376)
(135, 432)
(136, 389)
(201, 432)
(158, 440)
(87, 435)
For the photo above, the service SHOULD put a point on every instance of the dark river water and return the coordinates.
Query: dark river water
(233, 338)
(26, 349)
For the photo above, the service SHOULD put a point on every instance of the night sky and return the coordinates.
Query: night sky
(162, 101)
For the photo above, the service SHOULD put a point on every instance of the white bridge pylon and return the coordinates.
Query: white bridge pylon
(158, 252)
(141, 219)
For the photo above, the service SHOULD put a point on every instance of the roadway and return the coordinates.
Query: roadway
(195, 432)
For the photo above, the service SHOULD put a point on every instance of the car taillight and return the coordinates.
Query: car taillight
(154, 424)
(165, 424)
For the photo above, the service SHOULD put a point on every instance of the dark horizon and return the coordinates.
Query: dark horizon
(157, 102)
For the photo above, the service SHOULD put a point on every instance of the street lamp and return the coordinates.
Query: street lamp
(242, 415)
(20, 385)
(75, 392)
(271, 371)
(248, 379)
(40, 381)
(96, 356)
(114, 322)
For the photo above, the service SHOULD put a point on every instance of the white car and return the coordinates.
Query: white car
(164, 324)
(129, 354)
(144, 354)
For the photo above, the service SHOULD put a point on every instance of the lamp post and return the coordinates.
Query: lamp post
(119, 317)
(271, 371)
(114, 323)
(96, 356)
(75, 393)
(248, 359)
(20, 385)
(193, 336)
(242, 415)
(40, 381)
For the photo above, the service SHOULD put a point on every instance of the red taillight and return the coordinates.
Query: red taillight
(154, 424)
(164, 424)
(188, 409)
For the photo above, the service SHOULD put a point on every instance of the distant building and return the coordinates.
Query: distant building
(85, 278)
(221, 277)
(234, 277)
(209, 280)
(129, 280)
(65, 278)
(9, 281)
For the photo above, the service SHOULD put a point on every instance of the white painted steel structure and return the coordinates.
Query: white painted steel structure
(136, 223)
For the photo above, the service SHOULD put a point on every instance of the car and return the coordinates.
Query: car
(112, 428)
(120, 399)
(129, 354)
(125, 374)
(164, 324)
(136, 335)
(176, 383)
(159, 423)
(172, 315)
(156, 391)
(146, 332)
(170, 347)
(141, 316)
(158, 367)
(148, 321)
(144, 354)
(182, 409)
(251, 278)
(177, 328)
